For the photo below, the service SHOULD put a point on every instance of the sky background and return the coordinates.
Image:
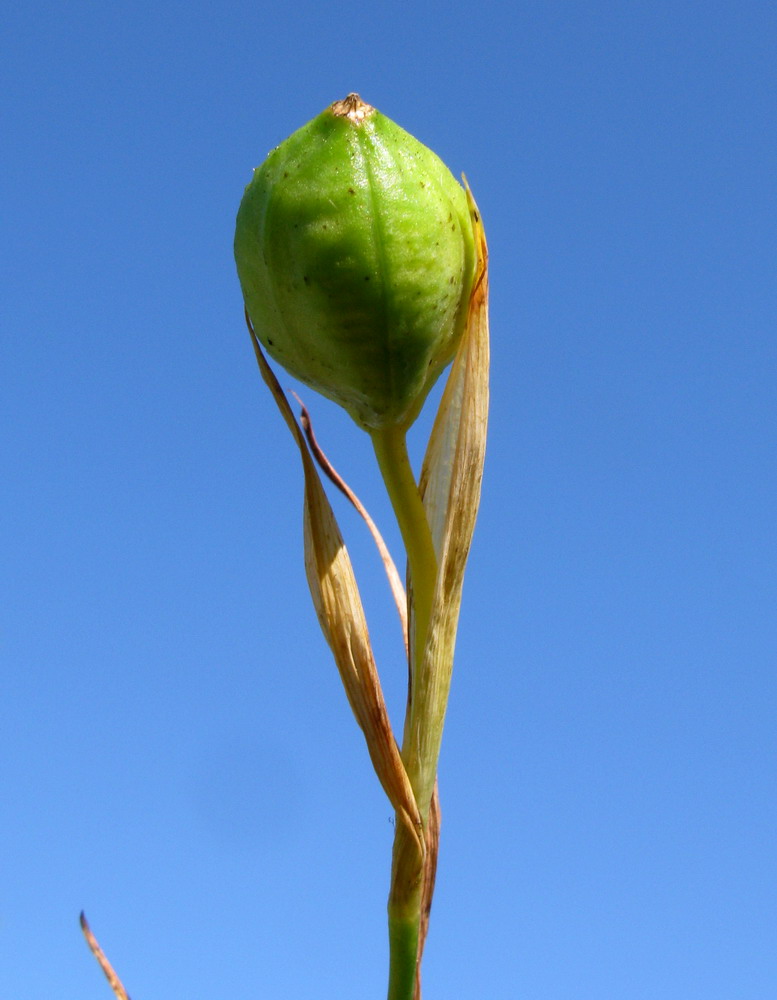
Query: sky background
(178, 758)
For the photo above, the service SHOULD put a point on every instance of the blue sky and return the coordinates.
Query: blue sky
(177, 756)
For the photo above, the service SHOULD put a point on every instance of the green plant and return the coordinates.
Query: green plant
(363, 265)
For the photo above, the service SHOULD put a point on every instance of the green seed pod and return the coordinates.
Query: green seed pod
(356, 256)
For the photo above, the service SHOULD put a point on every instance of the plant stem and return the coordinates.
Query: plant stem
(390, 444)
(405, 899)
(403, 955)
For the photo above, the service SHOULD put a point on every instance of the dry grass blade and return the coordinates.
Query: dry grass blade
(453, 464)
(113, 980)
(395, 583)
(430, 875)
(450, 485)
(341, 616)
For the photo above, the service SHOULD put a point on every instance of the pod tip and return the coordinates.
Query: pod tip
(353, 108)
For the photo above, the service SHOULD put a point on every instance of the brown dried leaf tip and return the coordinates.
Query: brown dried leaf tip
(113, 980)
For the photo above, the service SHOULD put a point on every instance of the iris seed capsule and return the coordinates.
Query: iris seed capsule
(355, 252)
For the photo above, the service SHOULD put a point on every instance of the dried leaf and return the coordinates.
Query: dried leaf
(395, 583)
(341, 616)
(113, 980)
(450, 486)
(430, 875)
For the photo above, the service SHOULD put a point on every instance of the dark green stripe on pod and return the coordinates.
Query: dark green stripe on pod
(356, 256)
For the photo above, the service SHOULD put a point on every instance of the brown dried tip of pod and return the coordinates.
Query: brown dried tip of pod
(353, 108)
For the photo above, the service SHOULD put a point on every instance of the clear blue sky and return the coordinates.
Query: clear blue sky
(177, 755)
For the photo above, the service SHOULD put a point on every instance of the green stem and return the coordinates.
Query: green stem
(403, 939)
(390, 444)
(405, 899)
